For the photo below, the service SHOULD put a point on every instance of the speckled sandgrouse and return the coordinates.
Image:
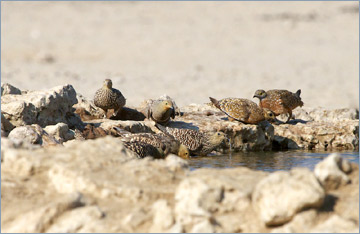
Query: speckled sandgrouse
(243, 110)
(158, 140)
(109, 98)
(198, 143)
(143, 150)
(279, 101)
(160, 111)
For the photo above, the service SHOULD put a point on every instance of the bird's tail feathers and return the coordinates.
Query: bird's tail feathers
(215, 102)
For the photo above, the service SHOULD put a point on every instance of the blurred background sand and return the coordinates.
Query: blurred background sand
(188, 50)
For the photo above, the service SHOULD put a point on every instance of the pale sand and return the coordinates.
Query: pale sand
(188, 50)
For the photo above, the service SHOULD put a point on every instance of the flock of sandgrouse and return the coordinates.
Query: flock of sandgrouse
(186, 142)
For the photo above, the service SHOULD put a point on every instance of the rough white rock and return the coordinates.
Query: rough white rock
(204, 226)
(82, 219)
(26, 134)
(9, 89)
(322, 114)
(32, 134)
(195, 201)
(40, 219)
(41, 107)
(299, 224)
(163, 217)
(329, 171)
(278, 197)
(60, 131)
(336, 224)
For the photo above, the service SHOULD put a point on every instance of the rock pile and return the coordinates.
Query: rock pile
(100, 186)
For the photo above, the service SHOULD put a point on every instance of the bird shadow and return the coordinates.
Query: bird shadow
(292, 122)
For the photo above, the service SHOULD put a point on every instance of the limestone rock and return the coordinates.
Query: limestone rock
(41, 107)
(301, 223)
(40, 219)
(60, 131)
(209, 196)
(82, 219)
(195, 201)
(25, 133)
(329, 171)
(278, 197)
(6, 126)
(204, 226)
(336, 224)
(321, 114)
(32, 134)
(163, 217)
(9, 89)
(317, 135)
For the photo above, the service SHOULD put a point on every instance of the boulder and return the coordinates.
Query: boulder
(331, 172)
(41, 107)
(60, 131)
(32, 134)
(279, 196)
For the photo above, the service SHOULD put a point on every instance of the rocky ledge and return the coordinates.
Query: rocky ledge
(312, 128)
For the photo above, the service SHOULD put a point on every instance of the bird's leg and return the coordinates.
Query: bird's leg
(116, 112)
(290, 115)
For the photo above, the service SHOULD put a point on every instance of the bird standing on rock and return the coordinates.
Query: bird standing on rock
(243, 110)
(198, 143)
(160, 111)
(279, 101)
(109, 98)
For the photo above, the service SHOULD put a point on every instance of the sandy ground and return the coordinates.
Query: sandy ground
(188, 50)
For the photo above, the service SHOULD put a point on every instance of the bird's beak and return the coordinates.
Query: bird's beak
(254, 96)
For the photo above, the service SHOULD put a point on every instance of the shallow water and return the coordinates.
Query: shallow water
(268, 161)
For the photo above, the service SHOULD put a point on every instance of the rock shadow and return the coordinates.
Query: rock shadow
(329, 203)
(283, 143)
(181, 124)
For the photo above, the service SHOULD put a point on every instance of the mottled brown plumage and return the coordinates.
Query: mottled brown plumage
(158, 140)
(143, 150)
(279, 101)
(243, 110)
(108, 98)
(198, 143)
(160, 111)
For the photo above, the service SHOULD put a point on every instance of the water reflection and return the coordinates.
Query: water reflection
(268, 161)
